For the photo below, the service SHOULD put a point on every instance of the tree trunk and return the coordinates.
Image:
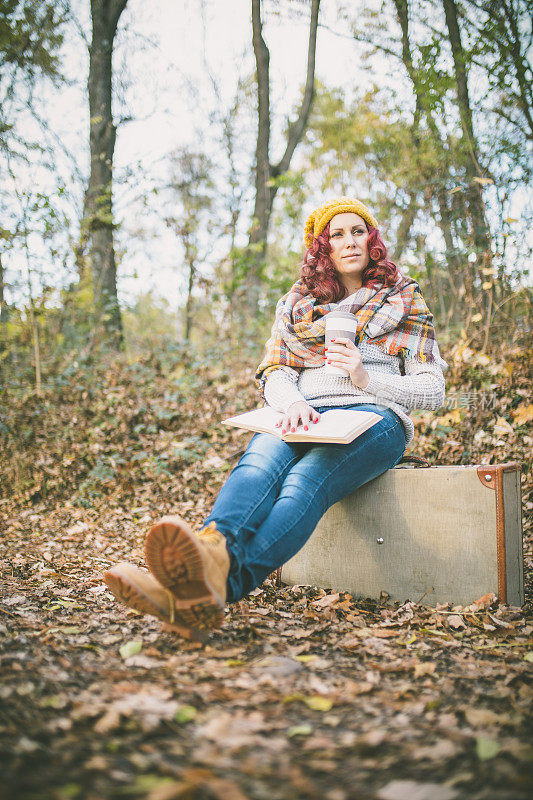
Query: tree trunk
(263, 191)
(520, 62)
(190, 261)
(454, 265)
(3, 314)
(3, 303)
(474, 207)
(480, 233)
(265, 172)
(98, 221)
(404, 228)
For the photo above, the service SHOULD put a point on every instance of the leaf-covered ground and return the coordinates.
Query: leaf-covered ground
(305, 692)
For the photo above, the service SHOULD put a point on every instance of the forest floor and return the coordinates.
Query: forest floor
(304, 692)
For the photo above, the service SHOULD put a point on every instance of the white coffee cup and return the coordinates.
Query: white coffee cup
(339, 323)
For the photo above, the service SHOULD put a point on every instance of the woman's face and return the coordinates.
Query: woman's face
(348, 239)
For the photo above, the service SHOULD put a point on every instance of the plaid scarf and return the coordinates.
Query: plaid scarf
(395, 318)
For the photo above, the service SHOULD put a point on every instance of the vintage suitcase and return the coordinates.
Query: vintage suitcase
(434, 534)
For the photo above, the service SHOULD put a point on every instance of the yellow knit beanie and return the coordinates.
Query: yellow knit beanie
(317, 221)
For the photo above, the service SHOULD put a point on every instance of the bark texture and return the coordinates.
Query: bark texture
(3, 303)
(98, 223)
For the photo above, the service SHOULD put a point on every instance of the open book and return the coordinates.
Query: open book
(339, 425)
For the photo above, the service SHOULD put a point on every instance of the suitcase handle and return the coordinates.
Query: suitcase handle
(418, 461)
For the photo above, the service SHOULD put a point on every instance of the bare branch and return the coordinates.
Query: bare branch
(297, 128)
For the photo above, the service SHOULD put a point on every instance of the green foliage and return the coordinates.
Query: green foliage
(31, 34)
(149, 321)
(350, 140)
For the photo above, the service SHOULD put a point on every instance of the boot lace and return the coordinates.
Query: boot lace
(210, 533)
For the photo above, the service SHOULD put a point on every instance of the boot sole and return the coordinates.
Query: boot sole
(174, 558)
(125, 590)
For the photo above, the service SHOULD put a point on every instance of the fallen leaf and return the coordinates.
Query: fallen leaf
(386, 633)
(277, 666)
(438, 752)
(299, 730)
(326, 601)
(486, 748)
(501, 426)
(411, 790)
(79, 527)
(452, 417)
(456, 621)
(185, 714)
(150, 706)
(481, 717)
(232, 731)
(350, 643)
(142, 661)
(501, 623)
(485, 601)
(523, 414)
(424, 668)
(130, 649)
(318, 703)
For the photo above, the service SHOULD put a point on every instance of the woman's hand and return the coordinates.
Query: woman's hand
(296, 412)
(343, 353)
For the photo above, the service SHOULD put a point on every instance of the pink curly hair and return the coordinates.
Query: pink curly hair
(321, 279)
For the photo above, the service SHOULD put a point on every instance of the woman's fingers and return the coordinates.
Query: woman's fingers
(294, 419)
(299, 413)
(342, 340)
(305, 418)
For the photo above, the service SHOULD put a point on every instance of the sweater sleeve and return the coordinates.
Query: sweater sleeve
(280, 389)
(422, 386)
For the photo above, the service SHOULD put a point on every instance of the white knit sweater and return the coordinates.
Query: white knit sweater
(422, 386)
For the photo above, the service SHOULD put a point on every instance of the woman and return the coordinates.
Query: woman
(275, 496)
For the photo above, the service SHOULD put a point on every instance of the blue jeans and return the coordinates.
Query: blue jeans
(275, 496)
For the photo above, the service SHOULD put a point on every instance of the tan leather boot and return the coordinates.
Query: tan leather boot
(194, 566)
(139, 590)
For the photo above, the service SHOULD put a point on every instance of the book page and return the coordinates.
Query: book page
(336, 423)
(262, 419)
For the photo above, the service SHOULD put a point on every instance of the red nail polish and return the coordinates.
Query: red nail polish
(306, 428)
(284, 431)
(332, 339)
